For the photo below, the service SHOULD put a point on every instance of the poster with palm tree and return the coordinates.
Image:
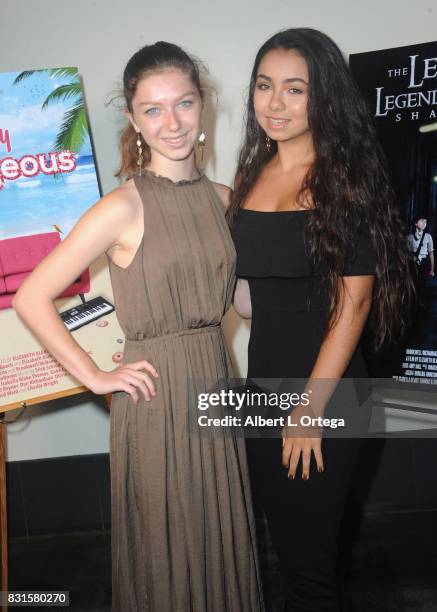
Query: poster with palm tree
(74, 128)
(48, 180)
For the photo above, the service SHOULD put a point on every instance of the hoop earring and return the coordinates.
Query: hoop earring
(140, 152)
(268, 144)
(201, 141)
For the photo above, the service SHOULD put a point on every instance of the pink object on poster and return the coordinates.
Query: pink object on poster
(19, 256)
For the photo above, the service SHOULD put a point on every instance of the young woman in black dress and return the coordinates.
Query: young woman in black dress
(322, 246)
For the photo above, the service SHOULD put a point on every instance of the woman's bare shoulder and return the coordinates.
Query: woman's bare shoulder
(122, 203)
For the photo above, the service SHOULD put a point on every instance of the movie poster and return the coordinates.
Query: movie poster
(47, 181)
(400, 86)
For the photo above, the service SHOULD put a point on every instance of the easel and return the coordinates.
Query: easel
(3, 514)
(3, 498)
(3, 503)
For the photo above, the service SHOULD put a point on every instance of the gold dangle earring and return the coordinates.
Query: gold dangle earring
(140, 152)
(201, 141)
(268, 144)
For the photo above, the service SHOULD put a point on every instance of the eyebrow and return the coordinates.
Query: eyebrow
(185, 95)
(290, 80)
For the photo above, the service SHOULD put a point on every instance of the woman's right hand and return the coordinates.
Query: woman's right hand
(300, 441)
(129, 377)
(293, 448)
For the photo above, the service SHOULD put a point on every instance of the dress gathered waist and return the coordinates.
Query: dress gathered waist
(143, 339)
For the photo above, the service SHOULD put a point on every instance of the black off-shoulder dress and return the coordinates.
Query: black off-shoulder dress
(289, 302)
(289, 318)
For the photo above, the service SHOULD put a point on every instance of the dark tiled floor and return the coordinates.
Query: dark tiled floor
(391, 562)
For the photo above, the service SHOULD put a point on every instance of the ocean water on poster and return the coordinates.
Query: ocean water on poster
(34, 205)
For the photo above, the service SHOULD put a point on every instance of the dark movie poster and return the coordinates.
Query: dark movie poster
(400, 86)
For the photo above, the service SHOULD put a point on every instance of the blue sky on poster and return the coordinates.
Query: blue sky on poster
(35, 204)
(20, 113)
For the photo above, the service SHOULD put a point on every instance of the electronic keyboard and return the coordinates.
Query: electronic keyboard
(85, 313)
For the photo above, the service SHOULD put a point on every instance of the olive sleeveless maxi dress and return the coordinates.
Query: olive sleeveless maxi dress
(183, 533)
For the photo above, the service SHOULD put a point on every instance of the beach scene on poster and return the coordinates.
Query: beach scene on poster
(48, 180)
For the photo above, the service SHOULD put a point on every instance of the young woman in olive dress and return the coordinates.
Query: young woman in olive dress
(319, 242)
(182, 524)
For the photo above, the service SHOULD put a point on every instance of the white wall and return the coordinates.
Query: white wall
(99, 36)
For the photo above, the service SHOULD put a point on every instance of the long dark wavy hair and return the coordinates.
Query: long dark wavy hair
(348, 183)
(147, 60)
